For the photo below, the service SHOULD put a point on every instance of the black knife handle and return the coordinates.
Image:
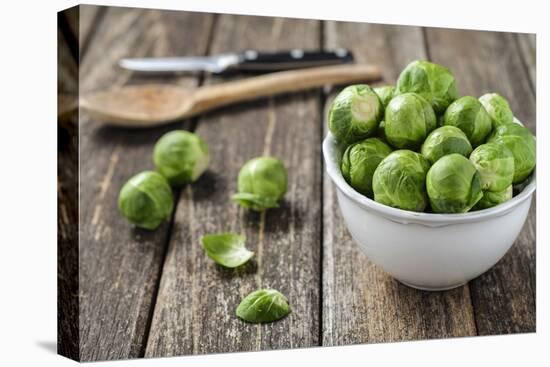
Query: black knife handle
(256, 61)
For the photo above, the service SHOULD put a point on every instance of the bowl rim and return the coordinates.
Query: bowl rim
(404, 216)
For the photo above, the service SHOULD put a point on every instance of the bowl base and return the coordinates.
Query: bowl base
(431, 289)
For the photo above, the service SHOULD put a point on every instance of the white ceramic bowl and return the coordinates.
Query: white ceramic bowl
(424, 250)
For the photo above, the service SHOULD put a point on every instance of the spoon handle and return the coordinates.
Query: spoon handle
(210, 97)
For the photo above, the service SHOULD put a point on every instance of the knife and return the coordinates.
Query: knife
(249, 60)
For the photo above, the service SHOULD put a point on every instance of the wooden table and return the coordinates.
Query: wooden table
(153, 294)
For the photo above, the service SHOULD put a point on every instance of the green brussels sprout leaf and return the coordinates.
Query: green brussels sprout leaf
(146, 200)
(226, 249)
(432, 81)
(443, 141)
(181, 157)
(494, 198)
(360, 161)
(255, 201)
(354, 114)
(468, 114)
(264, 305)
(399, 181)
(453, 184)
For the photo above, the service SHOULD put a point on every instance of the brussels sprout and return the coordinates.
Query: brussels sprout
(262, 182)
(495, 164)
(468, 115)
(521, 143)
(493, 198)
(385, 94)
(408, 120)
(432, 81)
(498, 109)
(445, 140)
(453, 184)
(181, 157)
(359, 162)
(354, 114)
(146, 200)
(400, 181)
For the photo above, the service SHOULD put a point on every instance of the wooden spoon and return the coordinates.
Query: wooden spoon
(148, 105)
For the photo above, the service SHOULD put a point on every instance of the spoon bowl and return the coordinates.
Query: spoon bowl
(139, 105)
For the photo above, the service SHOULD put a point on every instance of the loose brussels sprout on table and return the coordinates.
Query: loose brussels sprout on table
(493, 198)
(181, 157)
(519, 140)
(434, 82)
(453, 184)
(262, 183)
(445, 140)
(498, 109)
(408, 120)
(146, 200)
(385, 93)
(399, 181)
(468, 114)
(360, 161)
(495, 164)
(355, 114)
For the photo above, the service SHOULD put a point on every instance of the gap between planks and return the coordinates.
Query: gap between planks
(177, 197)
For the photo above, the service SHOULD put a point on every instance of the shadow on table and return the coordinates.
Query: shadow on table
(48, 345)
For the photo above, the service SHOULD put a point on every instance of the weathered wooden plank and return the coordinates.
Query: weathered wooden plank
(528, 49)
(67, 77)
(89, 18)
(195, 310)
(504, 297)
(79, 23)
(67, 244)
(361, 303)
(67, 207)
(120, 266)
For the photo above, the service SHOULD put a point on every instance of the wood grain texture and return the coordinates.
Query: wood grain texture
(528, 50)
(90, 18)
(120, 265)
(79, 24)
(67, 76)
(504, 297)
(68, 337)
(362, 304)
(67, 208)
(195, 310)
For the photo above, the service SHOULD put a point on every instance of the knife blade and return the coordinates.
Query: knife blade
(249, 60)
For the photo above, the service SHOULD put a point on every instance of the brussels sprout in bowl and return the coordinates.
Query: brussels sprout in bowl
(408, 119)
(355, 114)
(433, 82)
(428, 251)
